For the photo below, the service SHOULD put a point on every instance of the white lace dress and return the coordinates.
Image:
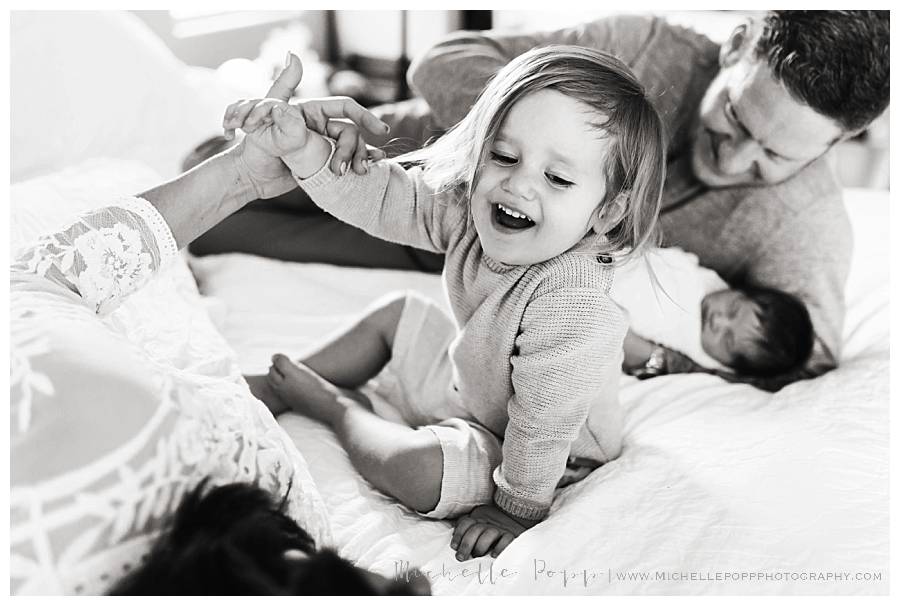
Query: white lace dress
(123, 396)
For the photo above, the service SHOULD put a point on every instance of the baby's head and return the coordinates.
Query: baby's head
(756, 331)
(563, 142)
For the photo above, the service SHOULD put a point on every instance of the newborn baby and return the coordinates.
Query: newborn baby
(695, 322)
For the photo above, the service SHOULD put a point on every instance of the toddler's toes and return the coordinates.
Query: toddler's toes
(285, 372)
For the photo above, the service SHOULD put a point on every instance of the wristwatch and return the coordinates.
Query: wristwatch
(655, 364)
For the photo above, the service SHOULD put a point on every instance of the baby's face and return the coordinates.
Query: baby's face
(729, 325)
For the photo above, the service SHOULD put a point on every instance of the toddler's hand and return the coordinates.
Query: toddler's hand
(340, 118)
(271, 124)
(487, 528)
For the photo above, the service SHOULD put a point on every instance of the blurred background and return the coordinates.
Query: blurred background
(364, 54)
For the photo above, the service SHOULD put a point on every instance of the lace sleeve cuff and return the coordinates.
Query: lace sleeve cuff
(104, 255)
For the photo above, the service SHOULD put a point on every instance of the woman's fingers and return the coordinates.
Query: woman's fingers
(375, 153)
(346, 138)
(236, 116)
(257, 115)
(288, 80)
(360, 157)
(228, 119)
(350, 147)
(320, 111)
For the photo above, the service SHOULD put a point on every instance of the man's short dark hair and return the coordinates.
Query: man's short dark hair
(837, 62)
(786, 339)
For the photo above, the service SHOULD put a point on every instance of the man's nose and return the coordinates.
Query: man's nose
(737, 154)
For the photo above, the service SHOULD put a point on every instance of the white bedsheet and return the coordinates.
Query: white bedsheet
(715, 478)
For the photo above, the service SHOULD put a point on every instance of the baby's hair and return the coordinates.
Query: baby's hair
(787, 335)
(636, 162)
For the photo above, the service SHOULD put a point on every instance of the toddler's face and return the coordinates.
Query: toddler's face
(729, 325)
(540, 188)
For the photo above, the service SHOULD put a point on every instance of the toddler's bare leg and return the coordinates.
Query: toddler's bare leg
(348, 359)
(357, 354)
(403, 462)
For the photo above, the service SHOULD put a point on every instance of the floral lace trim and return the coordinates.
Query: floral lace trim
(165, 241)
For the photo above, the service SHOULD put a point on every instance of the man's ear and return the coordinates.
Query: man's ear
(610, 214)
(733, 48)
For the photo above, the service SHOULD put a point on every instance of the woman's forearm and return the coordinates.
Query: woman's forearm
(197, 200)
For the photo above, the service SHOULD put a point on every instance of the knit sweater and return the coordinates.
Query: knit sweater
(538, 354)
(794, 236)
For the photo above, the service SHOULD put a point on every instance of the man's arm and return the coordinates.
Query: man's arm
(452, 74)
(809, 257)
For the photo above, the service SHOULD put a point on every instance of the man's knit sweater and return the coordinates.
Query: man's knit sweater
(794, 236)
(538, 355)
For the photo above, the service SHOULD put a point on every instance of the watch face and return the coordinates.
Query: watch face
(657, 359)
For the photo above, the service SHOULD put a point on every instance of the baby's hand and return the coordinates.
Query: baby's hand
(487, 528)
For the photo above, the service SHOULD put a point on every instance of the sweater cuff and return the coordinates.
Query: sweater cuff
(527, 510)
(323, 176)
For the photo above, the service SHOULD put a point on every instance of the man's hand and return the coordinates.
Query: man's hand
(487, 528)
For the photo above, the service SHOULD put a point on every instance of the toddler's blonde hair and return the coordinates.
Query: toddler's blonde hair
(635, 164)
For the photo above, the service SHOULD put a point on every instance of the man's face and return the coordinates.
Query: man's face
(751, 131)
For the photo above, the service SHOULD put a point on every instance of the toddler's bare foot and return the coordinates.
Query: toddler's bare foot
(259, 387)
(304, 391)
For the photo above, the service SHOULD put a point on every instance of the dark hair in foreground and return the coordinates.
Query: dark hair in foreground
(787, 334)
(233, 540)
(837, 62)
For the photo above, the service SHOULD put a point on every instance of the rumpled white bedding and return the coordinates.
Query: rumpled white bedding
(715, 479)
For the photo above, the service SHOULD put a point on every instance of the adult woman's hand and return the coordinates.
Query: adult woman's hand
(198, 199)
(340, 118)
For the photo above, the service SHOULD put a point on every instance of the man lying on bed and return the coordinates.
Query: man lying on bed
(750, 122)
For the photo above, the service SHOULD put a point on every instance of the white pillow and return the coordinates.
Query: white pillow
(671, 315)
(113, 418)
(40, 206)
(92, 83)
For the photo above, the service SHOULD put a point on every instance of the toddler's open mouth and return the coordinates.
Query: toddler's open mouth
(511, 219)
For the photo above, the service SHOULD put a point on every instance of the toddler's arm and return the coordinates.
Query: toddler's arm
(569, 352)
(386, 200)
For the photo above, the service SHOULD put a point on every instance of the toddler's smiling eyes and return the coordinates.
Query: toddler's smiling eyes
(558, 181)
(502, 159)
(505, 160)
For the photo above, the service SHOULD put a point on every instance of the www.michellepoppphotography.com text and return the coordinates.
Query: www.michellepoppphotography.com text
(540, 571)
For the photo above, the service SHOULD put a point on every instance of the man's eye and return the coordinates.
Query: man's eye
(558, 181)
(502, 158)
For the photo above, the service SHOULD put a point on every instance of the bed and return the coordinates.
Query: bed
(720, 489)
